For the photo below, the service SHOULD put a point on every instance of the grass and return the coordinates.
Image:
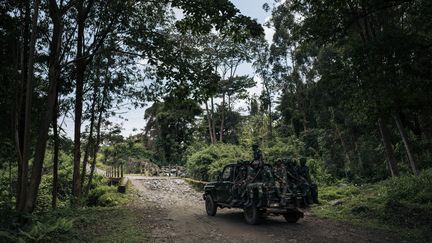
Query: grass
(114, 222)
(107, 196)
(109, 219)
(101, 224)
(402, 205)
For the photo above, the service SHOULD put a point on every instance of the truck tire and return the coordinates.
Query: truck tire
(252, 215)
(211, 207)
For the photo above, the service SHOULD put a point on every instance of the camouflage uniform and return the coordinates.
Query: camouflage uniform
(257, 154)
(291, 170)
(308, 184)
(255, 173)
(280, 173)
(240, 183)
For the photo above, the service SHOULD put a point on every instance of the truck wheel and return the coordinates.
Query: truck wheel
(251, 215)
(211, 207)
(291, 217)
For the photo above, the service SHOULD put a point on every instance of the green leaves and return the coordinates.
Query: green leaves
(169, 127)
(202, 16)
(45, 231)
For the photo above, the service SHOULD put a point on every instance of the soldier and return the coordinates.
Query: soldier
(255, 174)
(281, 177)
(256, 166)
(257, 155)
(303, 171)
(240, 182)
(291, 170)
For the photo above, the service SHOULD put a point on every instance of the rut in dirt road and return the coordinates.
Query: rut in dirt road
(178, 215)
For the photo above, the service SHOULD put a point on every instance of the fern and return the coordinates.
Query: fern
(44, 231)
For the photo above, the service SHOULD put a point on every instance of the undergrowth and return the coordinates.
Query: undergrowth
(89, 224)
(402, 204)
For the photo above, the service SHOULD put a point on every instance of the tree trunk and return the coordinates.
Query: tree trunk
(339, 134)
(209, 120)
(407, 143)
(28, 107)
(213, 120)
(55, 155)
(98, 136)
(20, 107)
(90, 137)
(385, 135)
(359, 156)
(270, 119)
(23, 188)
(80, 70)
(81, 64)
(54, 78)
(222, 119)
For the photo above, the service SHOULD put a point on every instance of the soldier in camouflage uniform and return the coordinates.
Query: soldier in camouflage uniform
(309, 186)
(255, 172)
(240, 183)
(291, 169)
(280, 173)
(257, 154)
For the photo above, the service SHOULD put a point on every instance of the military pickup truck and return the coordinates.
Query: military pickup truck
(253, 189)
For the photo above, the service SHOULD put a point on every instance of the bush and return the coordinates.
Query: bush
(319, 173)
(45, 230)
(106, 196)
(38, 231)
(412, 189)
(330, 193)
(290, 147)
(403, 203)
(208, 162)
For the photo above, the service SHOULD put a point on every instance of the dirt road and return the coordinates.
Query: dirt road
(174, 212)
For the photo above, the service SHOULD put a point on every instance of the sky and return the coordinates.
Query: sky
(132, 120)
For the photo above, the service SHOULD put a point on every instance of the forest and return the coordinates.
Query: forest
(345, 84)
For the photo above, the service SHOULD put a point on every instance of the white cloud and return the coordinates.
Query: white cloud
(269, 32)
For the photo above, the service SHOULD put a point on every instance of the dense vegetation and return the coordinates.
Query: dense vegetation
(400, 204)
(345, 84)
(83, 60)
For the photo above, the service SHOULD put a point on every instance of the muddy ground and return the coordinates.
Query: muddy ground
(174, 212)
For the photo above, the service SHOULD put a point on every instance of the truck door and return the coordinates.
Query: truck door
(223, 188)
